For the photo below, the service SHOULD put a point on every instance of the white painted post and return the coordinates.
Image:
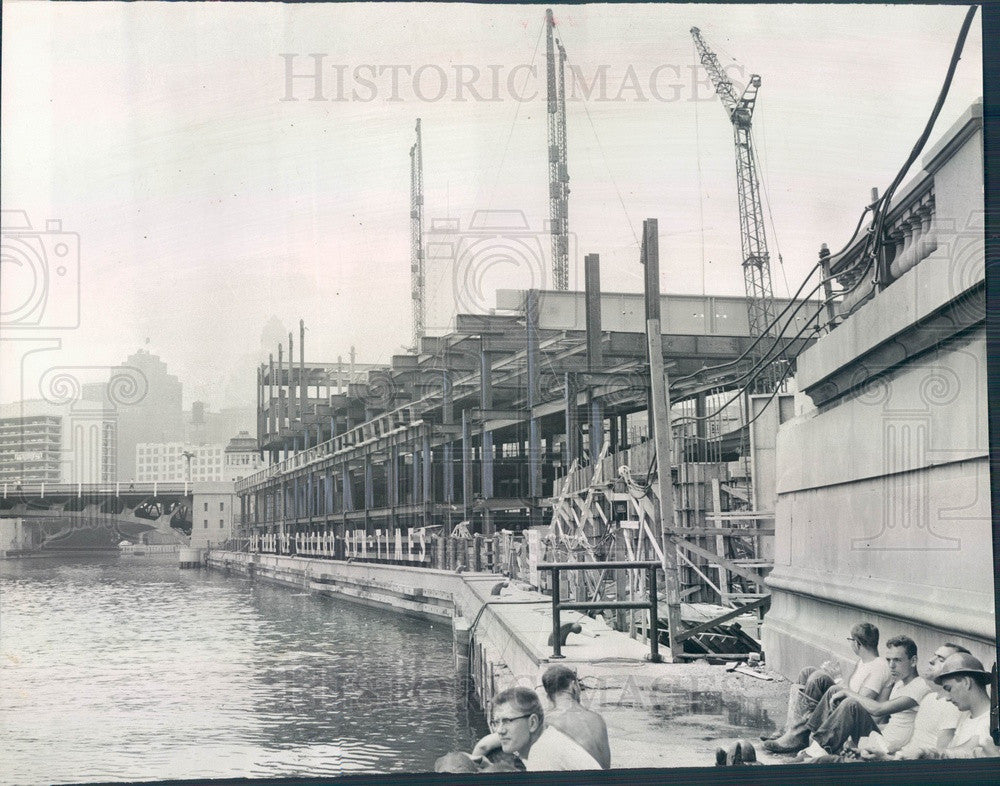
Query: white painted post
(79, 490)
(43, 489)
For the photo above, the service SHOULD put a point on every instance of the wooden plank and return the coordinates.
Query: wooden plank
(720, 544)
(739, 611)
(729, 564)
(698, 571)
(660, 394)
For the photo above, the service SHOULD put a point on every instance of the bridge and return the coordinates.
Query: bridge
(93, 516)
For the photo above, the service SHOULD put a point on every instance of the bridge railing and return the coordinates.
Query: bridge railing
(41, 490)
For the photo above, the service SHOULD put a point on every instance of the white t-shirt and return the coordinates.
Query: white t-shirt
(553, 750)
(969, 727)
(873, 675)
(899, 729)
(934, 715)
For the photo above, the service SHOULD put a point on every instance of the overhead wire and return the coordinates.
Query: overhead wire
(875, 230)
(607, 165)
(754, 148)
(513, 122)
(876, 239)
(701, 188)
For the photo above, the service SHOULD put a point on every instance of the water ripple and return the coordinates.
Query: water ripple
(125, 669)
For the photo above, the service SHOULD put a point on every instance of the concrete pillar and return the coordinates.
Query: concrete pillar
(486, 402)
(369, 483)
(428, 493)
(572, 425)
(466, 466)
(701, 427)
(348, 493)
(534, 429)
(448, 417)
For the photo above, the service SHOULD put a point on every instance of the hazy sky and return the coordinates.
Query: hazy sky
(204, 203)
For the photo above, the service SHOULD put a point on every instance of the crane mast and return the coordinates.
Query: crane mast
(416, 237)
(558, 172)
(756, 261)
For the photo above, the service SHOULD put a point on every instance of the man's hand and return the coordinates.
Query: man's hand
(986, 749)
(832, 667)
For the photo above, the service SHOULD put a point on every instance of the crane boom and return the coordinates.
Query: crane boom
(416, 237)
(558, 172)
(753, 241)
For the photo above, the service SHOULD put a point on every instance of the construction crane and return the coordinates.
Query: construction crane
(416, 238)
(558, 173)
(756, 262)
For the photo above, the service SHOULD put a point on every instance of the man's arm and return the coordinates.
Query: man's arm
(488, 743)
(945, 736)
(875, 707)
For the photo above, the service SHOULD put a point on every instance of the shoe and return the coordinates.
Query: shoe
(787, 744)
(773, 735)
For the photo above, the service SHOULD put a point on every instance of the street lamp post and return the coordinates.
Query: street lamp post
(188, 455)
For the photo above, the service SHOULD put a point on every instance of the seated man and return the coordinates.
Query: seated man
(963, 679)
(811, 699)
(585, 727)
(934, 726)
(574, 720)
(855, 716)
(519, 723)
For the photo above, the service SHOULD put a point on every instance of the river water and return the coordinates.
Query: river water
(127, 668)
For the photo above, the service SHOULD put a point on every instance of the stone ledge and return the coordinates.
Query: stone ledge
(914, 314)
(893, 599)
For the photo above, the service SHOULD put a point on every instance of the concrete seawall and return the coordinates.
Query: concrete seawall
(658, 714)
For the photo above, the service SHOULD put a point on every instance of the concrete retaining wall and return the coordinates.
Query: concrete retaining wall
(488, 647)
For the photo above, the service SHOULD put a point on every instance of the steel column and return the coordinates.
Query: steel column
(534, 431)
(466, 466)
(486, 402)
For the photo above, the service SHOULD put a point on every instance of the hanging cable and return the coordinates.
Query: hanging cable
(607, 165)
(701, 189)
(517, 110)
(767, 196)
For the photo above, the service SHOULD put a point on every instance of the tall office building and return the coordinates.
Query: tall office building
(149, 410)
(83, 446)
(30, 449)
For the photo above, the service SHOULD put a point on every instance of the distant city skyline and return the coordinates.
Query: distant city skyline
(103, 415)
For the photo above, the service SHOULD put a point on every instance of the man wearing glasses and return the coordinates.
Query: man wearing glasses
(519, 722)
(815, 693)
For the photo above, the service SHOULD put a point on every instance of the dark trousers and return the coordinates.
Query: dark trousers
(832, 726)
(804, 698)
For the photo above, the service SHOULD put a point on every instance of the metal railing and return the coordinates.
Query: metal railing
(559, 606)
